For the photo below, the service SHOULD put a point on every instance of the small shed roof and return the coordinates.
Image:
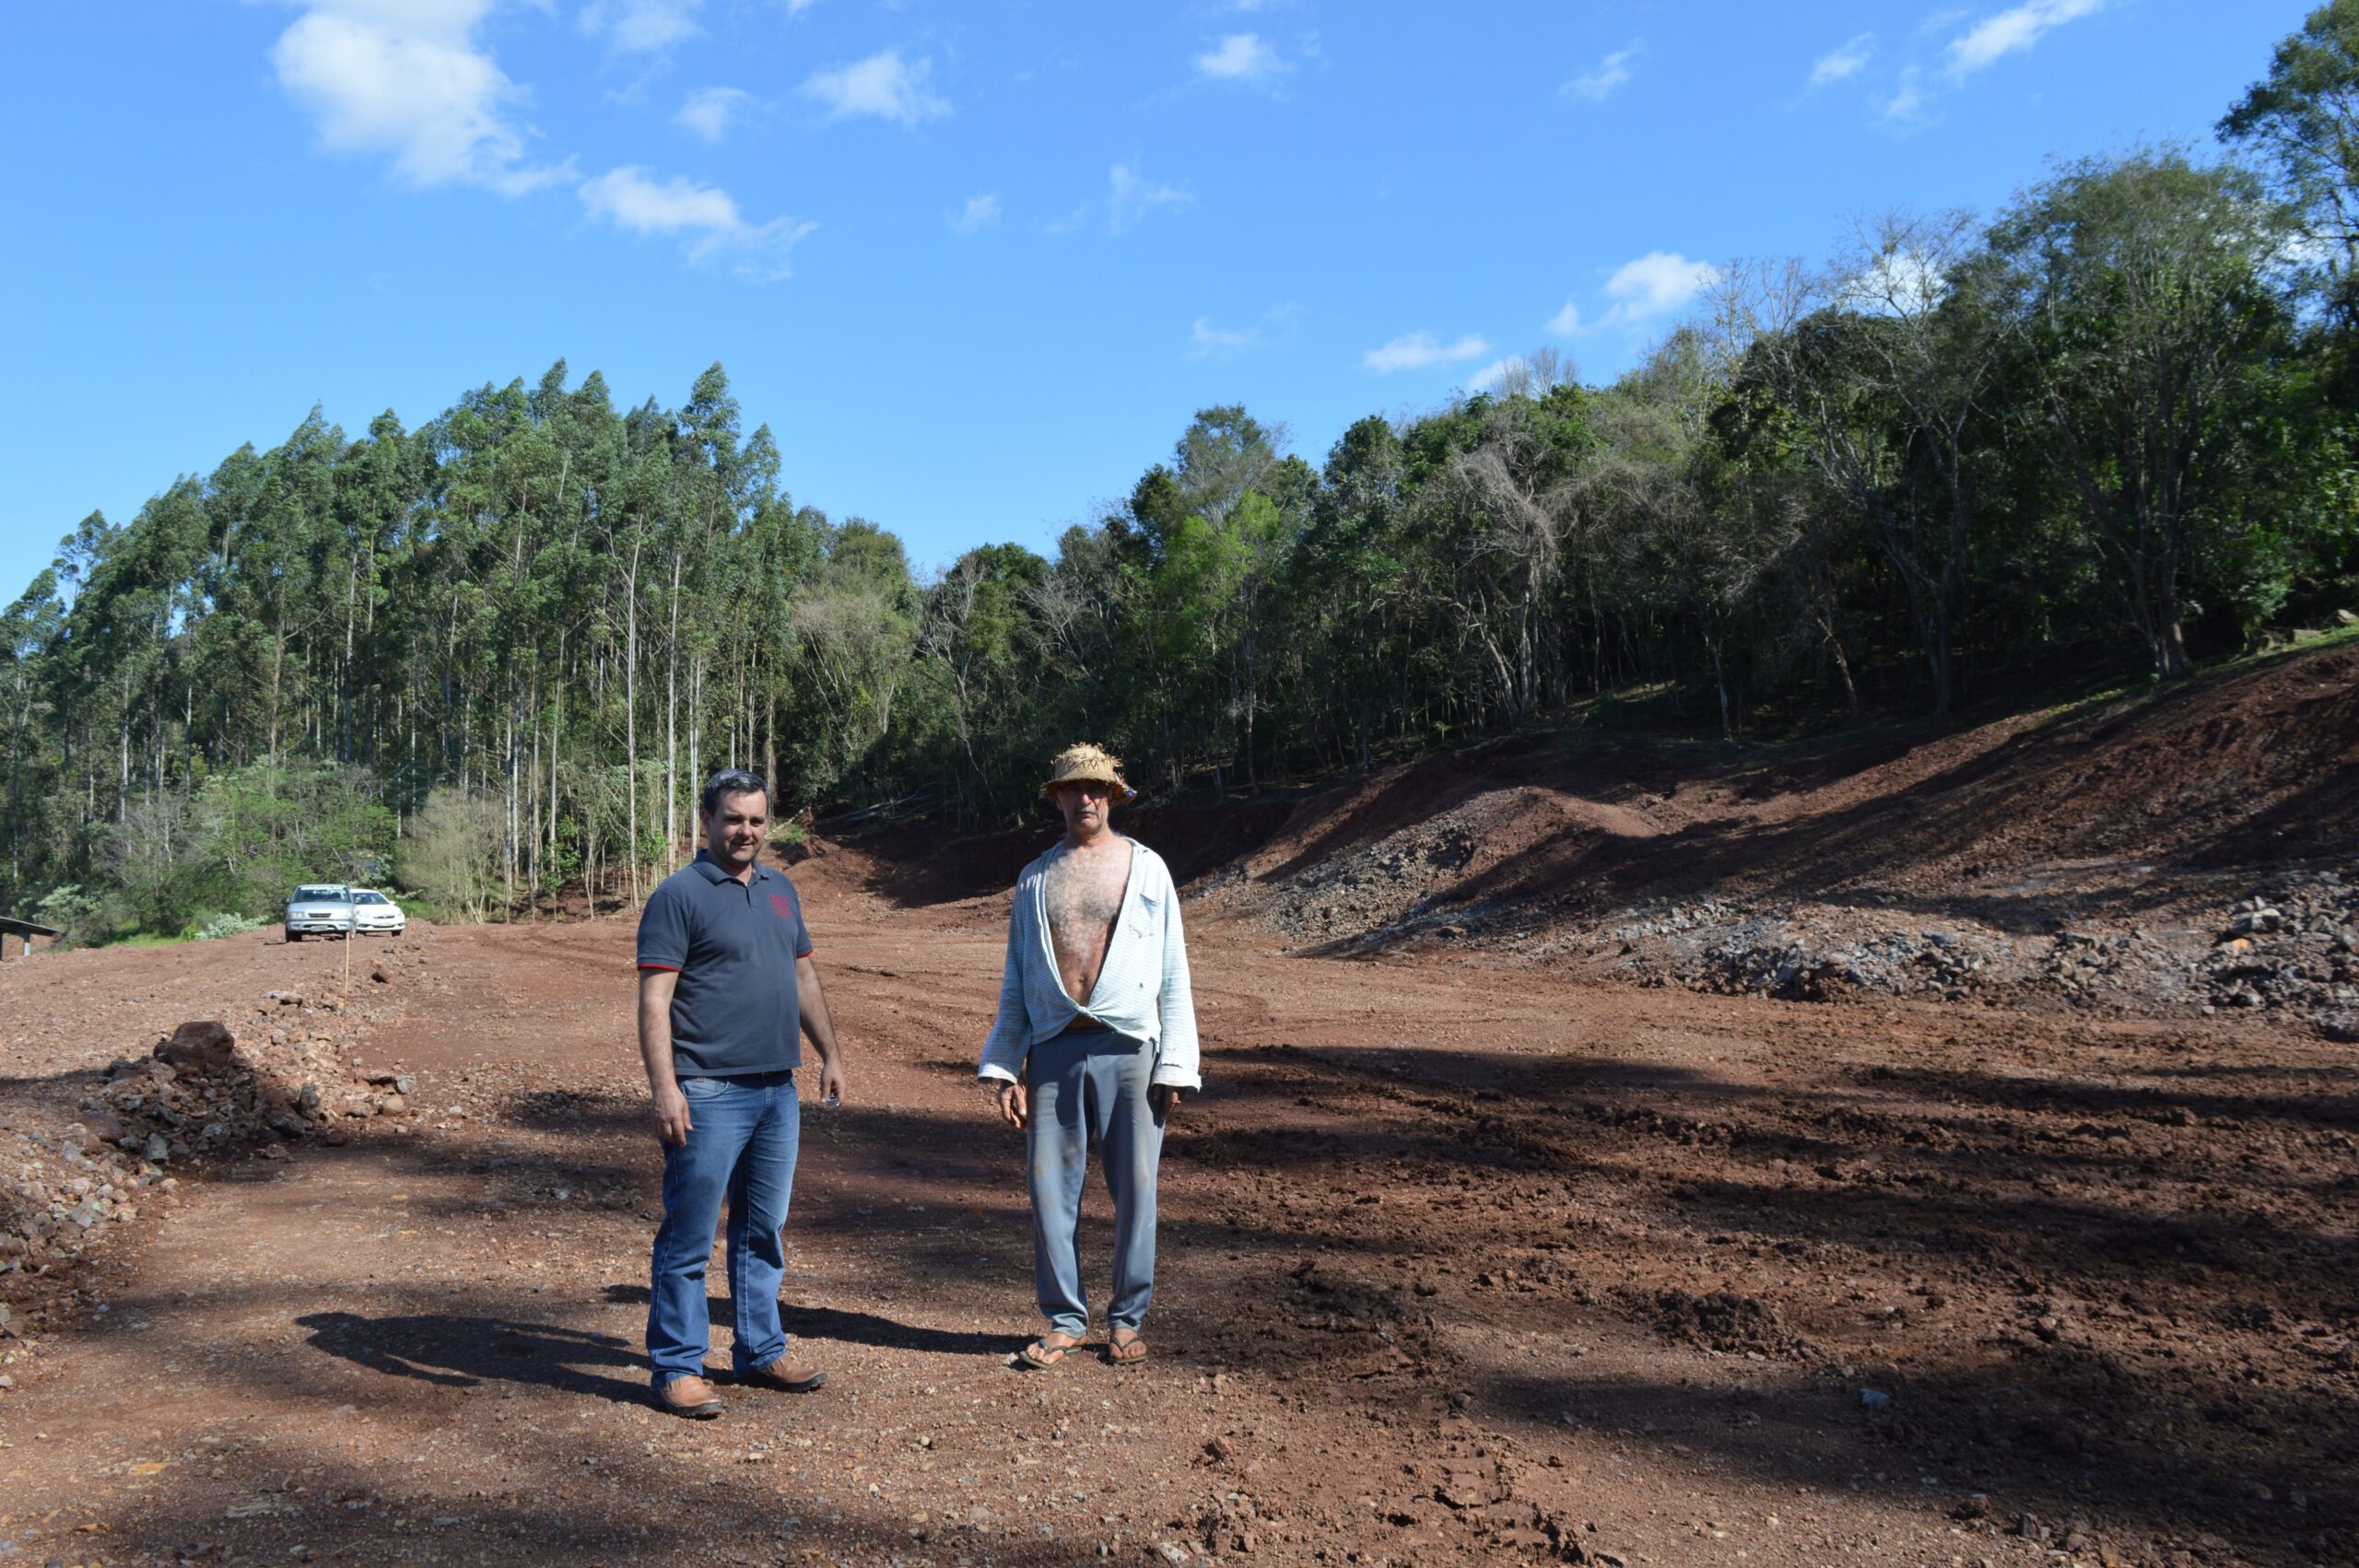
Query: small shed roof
(11, 926)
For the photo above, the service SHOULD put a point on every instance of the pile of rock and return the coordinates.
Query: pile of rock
(55, 1191)
(2292, 944)
(200, 1093)
(2119, 967)
(1783, 954)
(1379, 890)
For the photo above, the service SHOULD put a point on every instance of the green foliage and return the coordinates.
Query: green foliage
(2300, 119)
(452, 851)
(80, 918)
(213, 927)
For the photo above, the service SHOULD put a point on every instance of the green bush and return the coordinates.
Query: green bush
(81, 918)
(215, 926)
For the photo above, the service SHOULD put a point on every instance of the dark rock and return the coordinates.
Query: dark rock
(104, 1126)
(201, 1046)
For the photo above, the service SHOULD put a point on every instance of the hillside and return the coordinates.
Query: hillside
(2190, 847)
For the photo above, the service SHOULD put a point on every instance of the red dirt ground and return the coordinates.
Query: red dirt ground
(1467, 1257)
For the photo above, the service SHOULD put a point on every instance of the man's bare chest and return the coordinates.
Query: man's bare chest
(1083, 893)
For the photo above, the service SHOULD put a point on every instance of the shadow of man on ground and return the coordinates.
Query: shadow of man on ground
(460, 1352)
(845, 1327)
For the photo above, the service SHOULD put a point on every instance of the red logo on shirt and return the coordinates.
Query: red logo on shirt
(783, 904)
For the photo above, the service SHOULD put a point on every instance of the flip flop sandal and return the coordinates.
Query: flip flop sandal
(1042, 1356)
(1126, 1352)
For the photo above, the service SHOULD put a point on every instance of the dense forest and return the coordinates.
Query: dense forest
(2108, 431)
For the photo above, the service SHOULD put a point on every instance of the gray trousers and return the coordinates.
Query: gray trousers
(1085, 1087)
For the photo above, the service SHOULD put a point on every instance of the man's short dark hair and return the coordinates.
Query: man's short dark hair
(732, 781)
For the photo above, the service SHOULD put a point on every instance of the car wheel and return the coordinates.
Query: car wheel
(294, 936)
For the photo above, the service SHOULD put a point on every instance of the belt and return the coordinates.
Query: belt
(1083, 1024)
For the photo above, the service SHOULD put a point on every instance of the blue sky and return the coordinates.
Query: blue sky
(975, 265)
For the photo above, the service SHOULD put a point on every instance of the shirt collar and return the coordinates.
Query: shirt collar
(705, 867)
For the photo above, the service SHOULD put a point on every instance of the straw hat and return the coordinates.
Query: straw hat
(1086, 763)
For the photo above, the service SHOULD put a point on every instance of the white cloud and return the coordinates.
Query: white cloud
(409, 79)
(980, 213)
(1415, 350)
(2012, 32)
(1598, 83)
(710, 112)
(1904, 107)
(1241, 57)
(1131, 196)
(703, 218)
(627, 198)
(1564, 322)
(884, 85)
(1488, 376)
(642, 26)
(1842, 64)
(1655, 284)
(1206, 340)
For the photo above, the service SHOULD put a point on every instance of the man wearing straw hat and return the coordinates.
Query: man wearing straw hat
(1094, 1042)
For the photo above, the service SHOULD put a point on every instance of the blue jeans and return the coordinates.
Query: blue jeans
(1086, 1086)
(742, 1141)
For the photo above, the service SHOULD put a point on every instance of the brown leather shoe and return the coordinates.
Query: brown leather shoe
(783, 1375)
(688, 1396)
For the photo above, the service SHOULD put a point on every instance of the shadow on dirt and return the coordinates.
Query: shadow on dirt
(843, 1327)
(594, 1499)
(2189, 1108)
(458, 1351)
(2167, 1460)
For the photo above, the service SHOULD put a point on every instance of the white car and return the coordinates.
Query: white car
(319, 909)
(372, 911)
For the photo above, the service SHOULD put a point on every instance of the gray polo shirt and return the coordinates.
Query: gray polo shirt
(734, 945)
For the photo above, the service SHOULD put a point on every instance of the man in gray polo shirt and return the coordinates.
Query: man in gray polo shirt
(727, 989)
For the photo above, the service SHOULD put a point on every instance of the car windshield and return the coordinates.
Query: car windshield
(368, 898)
(329, 892)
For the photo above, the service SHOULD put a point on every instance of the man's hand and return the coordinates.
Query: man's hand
(1014, 1107)
(672, 1123)
(1166, 1098)
(832, 1082)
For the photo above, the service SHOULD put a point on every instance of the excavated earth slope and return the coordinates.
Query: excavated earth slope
(2192, 849)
